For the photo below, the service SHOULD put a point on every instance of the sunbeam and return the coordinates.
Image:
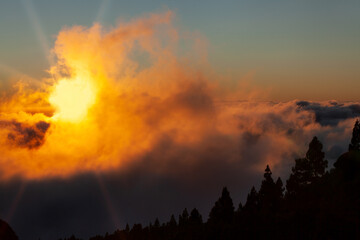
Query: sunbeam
(35, 22)
(15, 73)
(109, 205)
(104, 6)
(16, 201)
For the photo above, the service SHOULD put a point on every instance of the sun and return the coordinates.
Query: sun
(72, 98)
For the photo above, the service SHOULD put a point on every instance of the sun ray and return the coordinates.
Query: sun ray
(104, 6)
(16, 201)
(15, 72)
(108, 201)
(33, 17)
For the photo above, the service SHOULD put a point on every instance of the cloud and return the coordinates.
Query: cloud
(163, 108)
(27, 136)
(331, 113)
(174, 173)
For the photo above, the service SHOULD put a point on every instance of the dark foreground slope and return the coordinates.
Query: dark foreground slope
(6, 232)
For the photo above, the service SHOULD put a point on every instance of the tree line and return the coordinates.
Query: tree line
(315, 203)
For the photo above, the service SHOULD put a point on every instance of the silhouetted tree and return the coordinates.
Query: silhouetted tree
(252, 201)
(267, 190)
(270, 193)
(279, 189)
(347, 166)
(238, 213)
(299, 178)
(267, 174)
(195, 217)
(316, 156)
(136, 227)
(127, 228)
(355, 139)
(172, 222)
(136, 231)
(184, 218)
(278, 195)
(308, 169)
(72, 237)
(223, 211)
(157, 223)
(194, 229)
(97, 237)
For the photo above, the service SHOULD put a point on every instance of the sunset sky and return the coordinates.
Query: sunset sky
(115, 112)
(304, 50)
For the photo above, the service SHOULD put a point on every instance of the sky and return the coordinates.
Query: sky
(115, 112)
(298, 49)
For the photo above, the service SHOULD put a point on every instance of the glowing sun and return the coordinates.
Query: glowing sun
(72, 98)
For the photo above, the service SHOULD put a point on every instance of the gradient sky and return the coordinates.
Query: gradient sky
(296, 49)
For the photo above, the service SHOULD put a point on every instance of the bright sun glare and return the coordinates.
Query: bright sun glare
(72, 99)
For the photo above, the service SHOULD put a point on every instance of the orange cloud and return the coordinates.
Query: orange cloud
(121, 94)
(106, 108)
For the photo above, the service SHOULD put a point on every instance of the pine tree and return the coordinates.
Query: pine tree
(266, 189)
(355, 140)
(157, 223)
(279, 194)
(127, 228)
(348, 164)
(316, 156)
(184, 218)
(270, 193)
(172, 222)
(279, 188)
(223, 211)
(300, 176)
(308, 169)
(195, 217)
(252, 201)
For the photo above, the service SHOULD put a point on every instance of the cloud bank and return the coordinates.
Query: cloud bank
(126, 95)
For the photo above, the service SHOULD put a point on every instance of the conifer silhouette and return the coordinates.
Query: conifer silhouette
(184, 218)
(355, 139)
(308, 169)
(223, 211)
(252, 201)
